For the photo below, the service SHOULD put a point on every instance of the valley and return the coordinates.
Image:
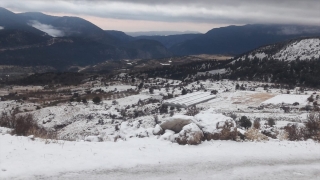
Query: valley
(78, 101)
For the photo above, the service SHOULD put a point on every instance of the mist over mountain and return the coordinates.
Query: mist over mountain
(30, 39)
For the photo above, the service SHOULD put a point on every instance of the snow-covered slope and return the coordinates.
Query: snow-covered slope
(303, 49)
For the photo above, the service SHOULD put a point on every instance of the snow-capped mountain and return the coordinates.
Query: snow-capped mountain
(302, 49)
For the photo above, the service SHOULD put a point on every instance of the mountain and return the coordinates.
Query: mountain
(239, 39)
(123, 37)
(160, 33)
(12, 21)
(147, 49)
(169, 41)
(298, 49)
(71, 27)
(37, 39)
(295, 62)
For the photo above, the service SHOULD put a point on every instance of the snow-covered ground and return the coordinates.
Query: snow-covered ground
(151, 158)
(288, 99)
(133, 149)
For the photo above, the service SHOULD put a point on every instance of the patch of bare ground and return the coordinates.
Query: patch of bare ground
(255, 98)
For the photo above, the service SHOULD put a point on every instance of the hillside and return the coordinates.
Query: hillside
(295, 62)
(236, 40)
(169, 41)
(302, 49)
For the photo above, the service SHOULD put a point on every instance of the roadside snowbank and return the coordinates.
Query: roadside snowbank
(23, 158)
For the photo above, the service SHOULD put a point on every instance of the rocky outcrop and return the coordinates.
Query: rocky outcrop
(176, 123)
(190, 134)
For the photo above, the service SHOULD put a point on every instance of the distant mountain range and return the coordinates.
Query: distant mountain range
(235, 40)
(37, 39)
(31, 39)
(160, 33)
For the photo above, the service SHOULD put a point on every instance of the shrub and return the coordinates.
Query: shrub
(24, 125)
(184, 92)
(151, 90)
(114, 102)
(310, 99)
(245, 122)
(84, 100)
(163, 109)
(294, 132)
(228, 132)
(312, 126)
(233, 116)
(271, 122)
(192, 111)
(256, 123)
(254, 135)
(214, 92)
(96, 100)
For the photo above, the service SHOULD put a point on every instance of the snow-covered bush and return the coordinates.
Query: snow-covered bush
(295, 132)
(24, 125)
(312, 126)
(256, 123)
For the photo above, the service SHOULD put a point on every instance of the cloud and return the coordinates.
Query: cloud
(187, 11)
(52, 31)
(1, 28)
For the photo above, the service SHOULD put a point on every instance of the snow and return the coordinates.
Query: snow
(208, 120)
(305, 49)
(287, 99)
(213, 72)
(114, 88)
(259, 55)
(152, 158)
(190, 99)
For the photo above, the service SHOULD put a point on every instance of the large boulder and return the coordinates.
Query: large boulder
(216, 126)
(176, 123)
(190, 134)
(157, 130)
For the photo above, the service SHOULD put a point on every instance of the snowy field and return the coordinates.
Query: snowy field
(133, 145)
(288, 99)
(151, 158)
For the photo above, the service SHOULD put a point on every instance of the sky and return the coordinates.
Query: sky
(175, 15)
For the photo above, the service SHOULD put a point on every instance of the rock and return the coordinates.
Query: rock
(216, 126)
(190, 134)
(168, 136)
(176, 123)
(157, 130)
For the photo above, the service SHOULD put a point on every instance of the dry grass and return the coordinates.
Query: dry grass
(254, 135)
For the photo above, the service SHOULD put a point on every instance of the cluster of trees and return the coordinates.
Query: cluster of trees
(180, 72)
(299, 72)
(52, 78)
